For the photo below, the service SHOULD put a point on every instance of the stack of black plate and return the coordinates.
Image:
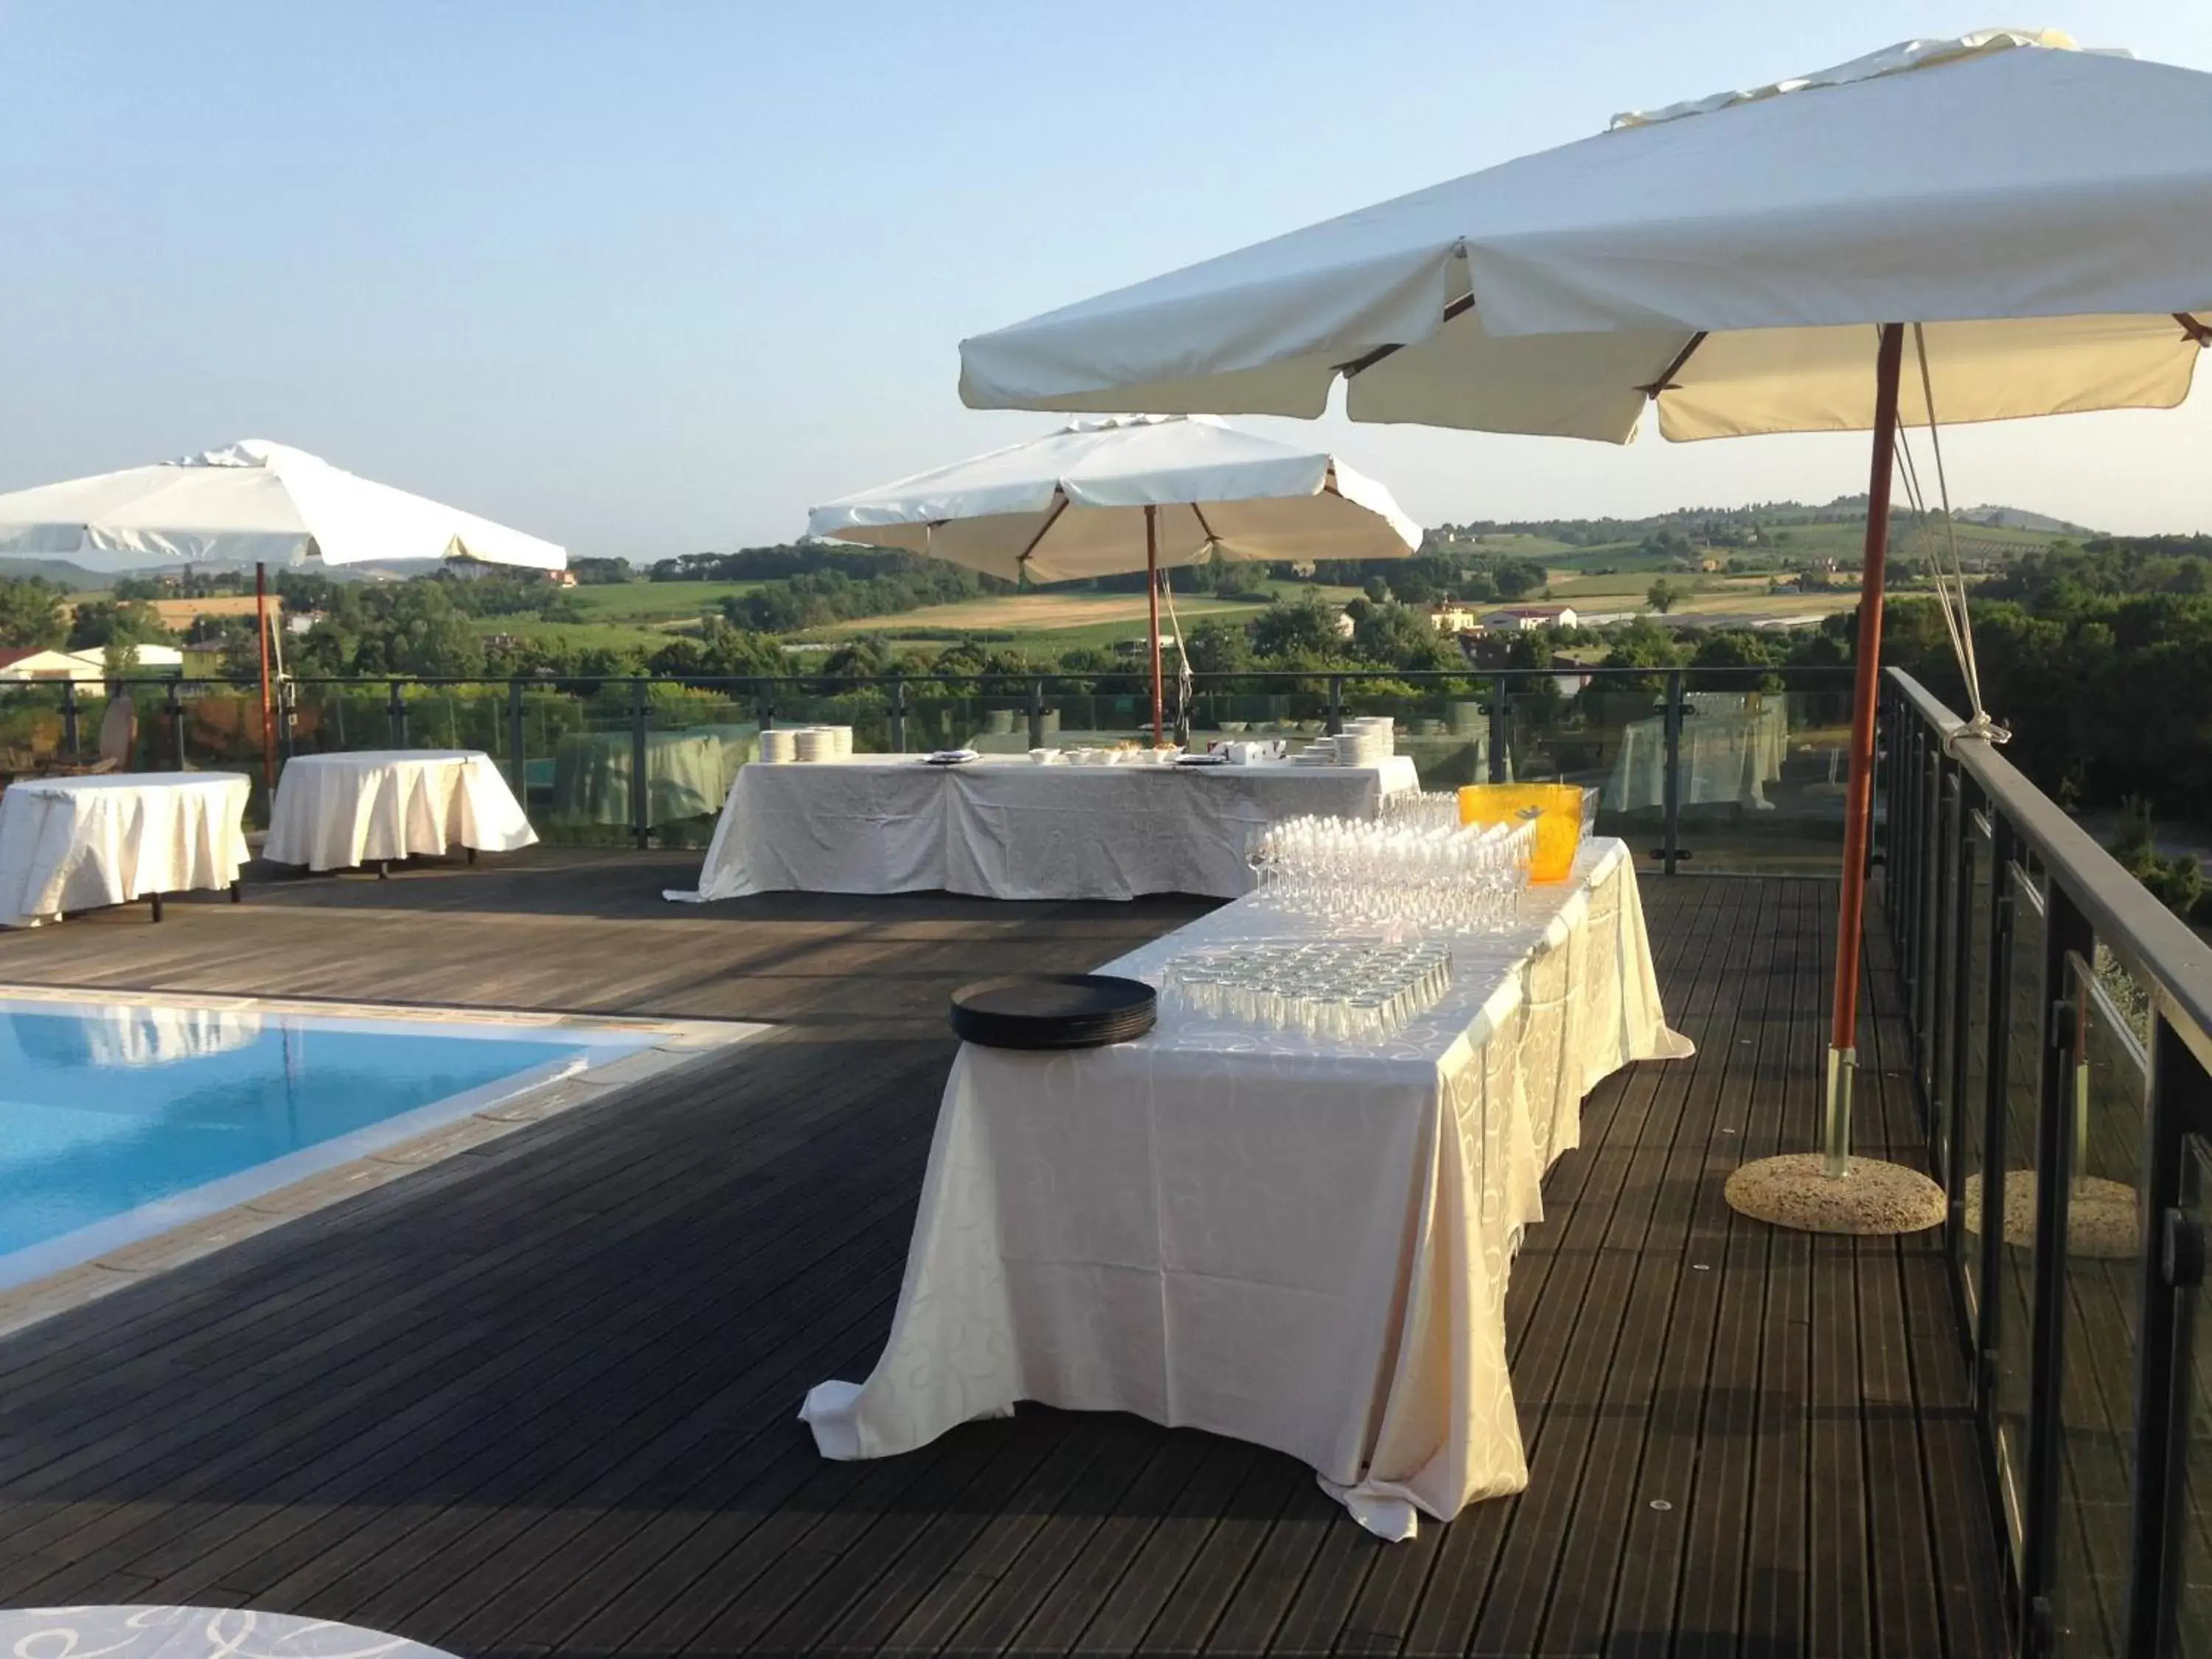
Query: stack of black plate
(1053, 1011)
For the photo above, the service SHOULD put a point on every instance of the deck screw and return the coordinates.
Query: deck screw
(1661, 1505)
(1701, 1266)
(1728, 1131)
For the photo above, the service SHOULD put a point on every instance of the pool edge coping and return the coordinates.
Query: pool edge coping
(673, 1043)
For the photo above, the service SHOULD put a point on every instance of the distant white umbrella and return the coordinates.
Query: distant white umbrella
(2040, 217)
(1128, 493)
(253, 502)
(256, 501)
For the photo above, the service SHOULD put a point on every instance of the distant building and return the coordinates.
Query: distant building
(86, 667)
(299, 621)
(1527, 618)
(1451, 617)
(562, 578)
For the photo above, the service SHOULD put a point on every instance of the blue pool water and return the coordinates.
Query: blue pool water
(117, 1122)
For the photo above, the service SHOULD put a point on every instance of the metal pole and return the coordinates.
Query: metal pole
(898, 717)
(396, 715)
(1037, 712)
(1858, 803)
(516, 741)
(1672, 784)
(1152, 611)
(177, 725)
(1499, 729)
(1336, 722)
(640, 793)
(69, 719)
(261, 635)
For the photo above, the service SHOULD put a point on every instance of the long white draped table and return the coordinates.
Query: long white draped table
(1014, 829)
(341, 811)
(1292, 1241)
(81, 843)
(1727, 757)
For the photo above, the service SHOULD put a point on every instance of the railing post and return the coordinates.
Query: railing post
(176, 712)
(1671, 793)
(396, 715)
(70, 743)
(898, 715)
(1037, 712)
(1498, 728)
(287, 717)
(1962, 1005)
(641, 792)
(517, 744)
(1335, 704)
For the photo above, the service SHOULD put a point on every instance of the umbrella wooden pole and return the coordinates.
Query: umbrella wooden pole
(1152, 611)
(1858, 802)
(268, 715)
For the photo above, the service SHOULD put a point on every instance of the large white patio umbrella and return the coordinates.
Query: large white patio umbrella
(1133, 492)
(1747, 263)
(256, 501)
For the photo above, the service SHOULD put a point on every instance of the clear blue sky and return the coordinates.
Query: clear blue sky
(654, 277)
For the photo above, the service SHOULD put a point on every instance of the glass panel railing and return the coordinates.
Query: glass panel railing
(2102, 1275)
(1973, 1115)
(2193, 1445)
(2014, 1203)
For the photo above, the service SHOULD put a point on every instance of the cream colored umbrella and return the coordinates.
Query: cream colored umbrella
(1109, 496)
(2037, 218)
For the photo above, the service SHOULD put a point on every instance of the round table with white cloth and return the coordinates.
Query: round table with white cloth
(159, 1632)
(341, 811)
(80, 843)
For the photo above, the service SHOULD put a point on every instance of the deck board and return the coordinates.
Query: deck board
(538, 1398)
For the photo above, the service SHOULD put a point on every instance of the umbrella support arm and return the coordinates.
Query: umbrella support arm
(1858, 801)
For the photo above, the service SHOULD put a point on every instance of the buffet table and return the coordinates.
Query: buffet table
(1292, 1241)
(341, 811)
(81, 843)
(1014, 829)
(1728, 757)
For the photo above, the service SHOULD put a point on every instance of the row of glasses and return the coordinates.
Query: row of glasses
(1424, 809)
(1411, 876)
(1340, 990)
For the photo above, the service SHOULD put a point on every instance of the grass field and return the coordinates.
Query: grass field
(656, 602)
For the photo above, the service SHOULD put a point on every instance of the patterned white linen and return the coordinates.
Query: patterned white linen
(1726, 757)
(157, 1633)
(1012, 830)
(1288, 1240)
(79, 843)
(339, 812)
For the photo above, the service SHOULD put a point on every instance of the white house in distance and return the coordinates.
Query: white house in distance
(86, 667)
(1452, 617)
(1527, 618)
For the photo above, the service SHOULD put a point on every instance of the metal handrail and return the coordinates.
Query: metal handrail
(2172, 961)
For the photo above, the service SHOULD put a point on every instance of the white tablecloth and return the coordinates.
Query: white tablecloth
(79, 843)
(1013, 830)
(339, 812)
(1727, 757)
(1292, 1242)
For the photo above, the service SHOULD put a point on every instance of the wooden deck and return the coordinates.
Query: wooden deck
(539, 1398)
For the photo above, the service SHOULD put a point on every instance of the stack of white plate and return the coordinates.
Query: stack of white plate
(1322, 751)
(776, 744)
(817, 743)
(841, 738)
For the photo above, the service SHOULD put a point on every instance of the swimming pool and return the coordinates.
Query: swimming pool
(122, 1119)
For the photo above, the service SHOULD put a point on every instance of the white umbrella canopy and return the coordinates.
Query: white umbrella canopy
(2041, 216)
(2045, 211)
(1074, 504)
(253, 501)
